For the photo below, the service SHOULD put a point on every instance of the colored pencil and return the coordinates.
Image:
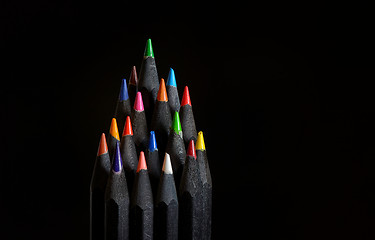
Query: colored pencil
(187, 118)
(176, 148)
(166, 204)
(148, 83)
(133, 85)
(153, 163)
(161, 119)
(123, 108)
(117, 201)
(98, 184)
(113, 138)
(129, 153)
(205, 174)
(142, 204)
(138, 119)
(173, 98)
(190, 198)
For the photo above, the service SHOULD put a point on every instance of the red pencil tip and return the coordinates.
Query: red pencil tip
(162, 94)
(102, 145)
(191, 149)
(133, 77)
(141, 162)
(128, 130)
(186, 97)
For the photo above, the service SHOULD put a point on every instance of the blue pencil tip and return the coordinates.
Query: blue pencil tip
(152, 144)
(171, 81)
(124, 91)
(117, 161)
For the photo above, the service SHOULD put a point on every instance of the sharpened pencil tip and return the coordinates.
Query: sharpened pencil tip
(128, 130)
(114, 130)
(200, 142)
(149, 52)
(133, 77)
(138, 103)
(117, 161)
(124, 91)
(141, 162)
(102, 145)
(171, 81)
(186, 97)
(176, 124)
(191, 149)
(162, 93)
(167, 166)
(152, 143)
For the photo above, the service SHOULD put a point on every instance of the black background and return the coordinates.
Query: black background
(282, 92)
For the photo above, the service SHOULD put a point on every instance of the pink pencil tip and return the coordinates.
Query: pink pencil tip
(138, 103)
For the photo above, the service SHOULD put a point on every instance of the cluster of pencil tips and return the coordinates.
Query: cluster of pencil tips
(154, 182)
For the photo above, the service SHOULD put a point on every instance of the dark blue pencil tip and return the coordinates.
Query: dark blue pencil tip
(171, 81)
(117, 161)
(152, 144)
(124, 91)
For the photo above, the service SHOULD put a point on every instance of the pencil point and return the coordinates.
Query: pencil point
(186, 97)
(141, 162)
(102, 145)
(128, 130)
(162, 94)
(171, 81)
(114, 130)
(176, 124)
(133, 77)
(200, 142)
(138, 103)
(191, 149)
(124, 91)
(152, 144)
(117, 161)
(167, 166)
(148, 50)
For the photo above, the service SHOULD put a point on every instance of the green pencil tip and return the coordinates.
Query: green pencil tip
(176, 124)
(148, 51)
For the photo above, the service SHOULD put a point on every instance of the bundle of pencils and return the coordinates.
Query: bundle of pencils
(154, 182)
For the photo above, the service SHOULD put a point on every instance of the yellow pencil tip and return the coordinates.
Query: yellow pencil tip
(200, 142)
(114, 130)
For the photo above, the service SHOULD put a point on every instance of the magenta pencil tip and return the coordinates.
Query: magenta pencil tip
(138, 103)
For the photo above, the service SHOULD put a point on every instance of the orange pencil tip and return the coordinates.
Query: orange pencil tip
(162, 94)
(102, 145)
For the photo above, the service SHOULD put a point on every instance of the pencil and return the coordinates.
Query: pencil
(141, 204)
(138, 119)
(161, 119)
(113, 137)
(98, 184)
(129, 153)
(205, 175)
(117, 201)
(174, 100)
(191, 201)
(166, 204)
(133, 85)
(123, 108)
(176, 148)
(148, 83)
(187, 118)
(153, 163)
